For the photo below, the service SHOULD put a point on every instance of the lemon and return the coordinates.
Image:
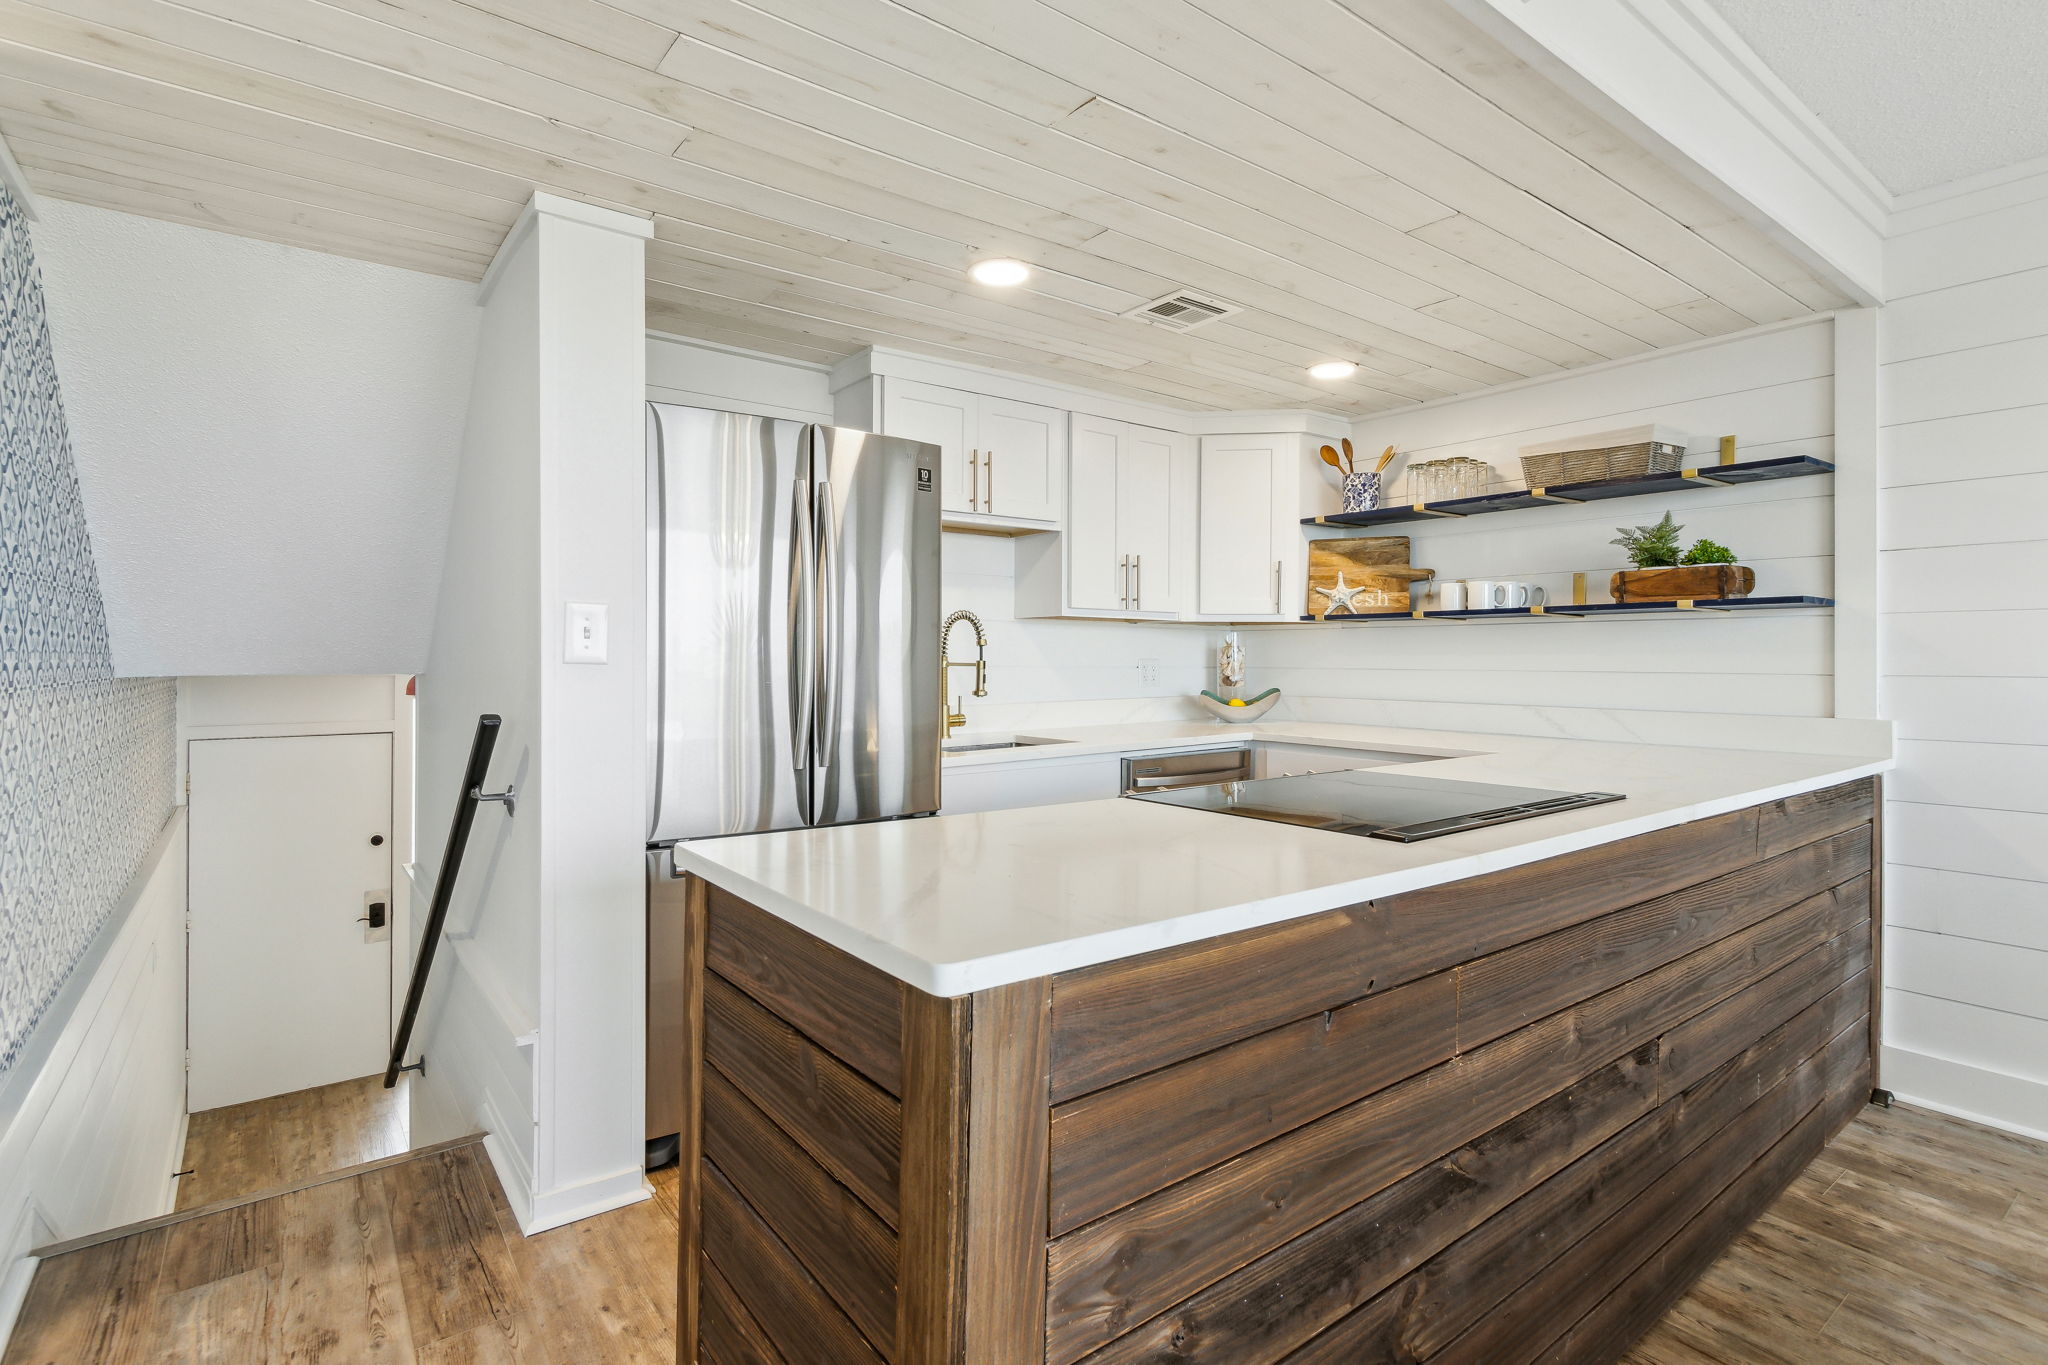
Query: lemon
(1237, 701)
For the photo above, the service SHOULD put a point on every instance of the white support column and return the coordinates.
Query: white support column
(1856, 456)
(535, 1028)
(592, 1078)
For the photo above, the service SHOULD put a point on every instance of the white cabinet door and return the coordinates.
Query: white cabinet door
(1096, 577)
(1023, 447)
(1144, 505)
(1242, 559)
(946, 418)
(289, 844)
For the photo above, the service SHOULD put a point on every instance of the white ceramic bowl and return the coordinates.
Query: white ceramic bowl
(1253, 707)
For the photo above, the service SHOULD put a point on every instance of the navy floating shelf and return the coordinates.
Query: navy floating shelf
(1574, 494)
(1570, 609)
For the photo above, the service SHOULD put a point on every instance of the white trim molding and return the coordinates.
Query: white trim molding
(16, 181)
(871, 361)
(545, 205)
(1855, 513)
(1992, 1098)
(1675, 76)
(2021, 183)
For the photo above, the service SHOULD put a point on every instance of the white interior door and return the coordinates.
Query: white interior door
(290, 846)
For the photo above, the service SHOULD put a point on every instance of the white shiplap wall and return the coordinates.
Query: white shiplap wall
(1773, 389)
(1040, 672)
(1964, 557)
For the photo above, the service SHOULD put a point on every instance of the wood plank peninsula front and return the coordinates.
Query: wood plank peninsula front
(1505, 1118)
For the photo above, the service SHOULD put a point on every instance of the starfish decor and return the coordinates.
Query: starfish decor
(1343, 599)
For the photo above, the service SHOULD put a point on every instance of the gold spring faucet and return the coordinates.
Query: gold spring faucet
(955, 717)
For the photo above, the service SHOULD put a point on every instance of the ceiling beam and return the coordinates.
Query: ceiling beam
(1675, 75)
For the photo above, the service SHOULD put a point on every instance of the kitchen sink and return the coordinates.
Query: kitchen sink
(983, 746)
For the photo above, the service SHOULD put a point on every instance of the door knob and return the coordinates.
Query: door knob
(375, 919)
(376, 841)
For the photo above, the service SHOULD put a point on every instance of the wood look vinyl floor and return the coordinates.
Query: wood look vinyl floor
(1915, 1239)
(415, 1262)
(244, 1149)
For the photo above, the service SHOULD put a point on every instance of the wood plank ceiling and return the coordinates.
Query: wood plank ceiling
(1372, 180)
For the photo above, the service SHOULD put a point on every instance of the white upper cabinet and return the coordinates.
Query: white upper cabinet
(1146, 523)
(945, 417)
(1001, 459)
(1022, 447)
(1124, 550)
(1095, 565)
(1254, 492)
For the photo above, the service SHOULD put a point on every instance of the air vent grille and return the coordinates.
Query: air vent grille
(1182, 310)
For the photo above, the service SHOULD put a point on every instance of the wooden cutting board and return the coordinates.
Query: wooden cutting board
(1361, 576)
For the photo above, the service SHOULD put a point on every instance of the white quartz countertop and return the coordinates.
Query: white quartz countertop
(957, 903)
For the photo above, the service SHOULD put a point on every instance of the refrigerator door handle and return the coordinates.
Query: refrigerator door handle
(802, 625)
(825, 749)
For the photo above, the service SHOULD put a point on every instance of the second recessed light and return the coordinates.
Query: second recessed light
(1332, 369)
(1001, 271)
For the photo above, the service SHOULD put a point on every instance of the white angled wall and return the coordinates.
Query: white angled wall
(1772, 389)
(266, 440)
(1964, 541)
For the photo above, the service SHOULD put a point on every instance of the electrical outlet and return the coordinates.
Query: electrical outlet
(1148, 672)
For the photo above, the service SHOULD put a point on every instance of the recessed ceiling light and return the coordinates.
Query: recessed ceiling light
(1332, 369)
(1000, 271)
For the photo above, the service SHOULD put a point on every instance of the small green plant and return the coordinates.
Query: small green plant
(1650, 547)
(1706, 551)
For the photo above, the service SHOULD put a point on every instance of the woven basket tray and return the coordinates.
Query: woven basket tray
(1609, 462)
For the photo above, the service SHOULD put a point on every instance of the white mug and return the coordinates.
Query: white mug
(1503, 594)
(1450, 595)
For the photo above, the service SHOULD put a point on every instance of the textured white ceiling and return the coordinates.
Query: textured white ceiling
(1923, 91)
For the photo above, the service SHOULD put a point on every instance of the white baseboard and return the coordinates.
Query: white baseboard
(1996, 1100)
(554, 1208)
(176, 1163)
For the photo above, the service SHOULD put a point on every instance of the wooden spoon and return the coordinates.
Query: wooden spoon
(1386, 458)
(1350, 467)
(1330, 457)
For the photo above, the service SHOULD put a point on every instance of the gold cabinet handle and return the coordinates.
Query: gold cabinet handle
(1137, 582)
(973, 479)
(988, 472)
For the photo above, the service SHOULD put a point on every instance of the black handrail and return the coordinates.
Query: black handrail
(473, 795)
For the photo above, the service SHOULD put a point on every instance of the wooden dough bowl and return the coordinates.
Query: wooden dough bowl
(1686, 583)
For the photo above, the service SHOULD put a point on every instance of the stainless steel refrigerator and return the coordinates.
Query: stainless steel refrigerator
(793, 576)
(794, 592)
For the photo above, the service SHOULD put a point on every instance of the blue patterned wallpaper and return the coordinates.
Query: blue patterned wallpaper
(86, 760)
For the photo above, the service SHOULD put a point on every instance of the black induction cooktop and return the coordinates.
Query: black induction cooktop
(1379, 803)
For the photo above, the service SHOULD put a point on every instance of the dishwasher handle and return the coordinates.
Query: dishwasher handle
(1160, 772)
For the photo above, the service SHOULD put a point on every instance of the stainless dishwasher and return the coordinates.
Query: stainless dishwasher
(1161, 772)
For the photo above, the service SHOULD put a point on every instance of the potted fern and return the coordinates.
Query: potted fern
(1666, 572)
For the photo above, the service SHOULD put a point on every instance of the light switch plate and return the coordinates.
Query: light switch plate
(587, 639)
